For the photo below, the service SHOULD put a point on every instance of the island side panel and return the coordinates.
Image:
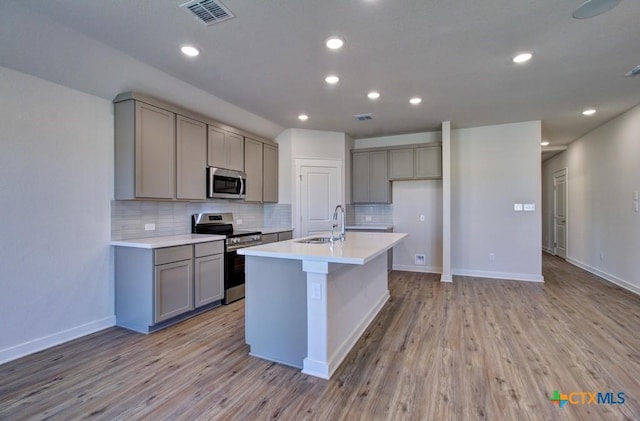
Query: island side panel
(276, 309)
(355, 295)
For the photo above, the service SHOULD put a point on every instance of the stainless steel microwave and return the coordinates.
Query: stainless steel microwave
(226, 184)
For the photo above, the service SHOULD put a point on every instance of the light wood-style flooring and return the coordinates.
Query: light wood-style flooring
(473, 349)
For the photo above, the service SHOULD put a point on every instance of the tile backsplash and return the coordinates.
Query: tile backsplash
(128, 218)
(381, 214)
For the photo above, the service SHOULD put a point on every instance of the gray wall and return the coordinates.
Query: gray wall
(492, 168)
(603, 173)
(56, 182)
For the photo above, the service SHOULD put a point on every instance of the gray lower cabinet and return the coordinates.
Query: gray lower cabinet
(209, 273)
(277, 236)
(157, 287)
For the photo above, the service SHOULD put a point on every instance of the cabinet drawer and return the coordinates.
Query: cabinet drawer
(172, 254)
(283, 236)
(207, 249)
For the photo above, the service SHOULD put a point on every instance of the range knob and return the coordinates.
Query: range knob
(255, 237)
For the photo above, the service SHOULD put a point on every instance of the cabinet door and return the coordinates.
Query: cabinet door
(234, 150)
(360, 185)
(379, 178)
(270, 174)
(191, 148)
(209, 278)
(155, 141)
(216, 148)
(284, 236)
(253, 165)
(173, 289)
(269, 238)
(429, 162)
(400, 164)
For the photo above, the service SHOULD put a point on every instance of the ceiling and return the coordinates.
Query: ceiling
(456, 55)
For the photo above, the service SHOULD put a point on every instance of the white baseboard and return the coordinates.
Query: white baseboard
(418, 268)
(607, 276)
(35, 345)
(529, 277)
(548, 250)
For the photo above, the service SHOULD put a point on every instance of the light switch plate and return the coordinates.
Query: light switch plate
(635, 195)
(316, 291)
(367, 218)
(517, 207)
(239, 221)
(529, 207)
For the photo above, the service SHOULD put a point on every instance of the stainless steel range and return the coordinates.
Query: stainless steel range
(222, 224)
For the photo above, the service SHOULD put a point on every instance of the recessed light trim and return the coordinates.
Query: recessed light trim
(332, 79)
(415, 100)
(303, 117)
(373, 95)
(334, 43)
(522, 57)
(544, 143)
(589, 112)
(593, 8)
(189, 50)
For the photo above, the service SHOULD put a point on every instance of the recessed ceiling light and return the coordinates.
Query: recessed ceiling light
(522, 57)
(332, 79)
(593, 8)
(544, 143)
(415, 101)
(189, 50)
(590, 111)
(303, 117)
(334, 43)
(373, 95)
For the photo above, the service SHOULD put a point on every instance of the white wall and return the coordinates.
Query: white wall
(56, 182)
(411, 199)
(492, 168)
(603, 174)
(550, 166)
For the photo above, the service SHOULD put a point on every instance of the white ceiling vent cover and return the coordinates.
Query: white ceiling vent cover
(208, 11)
(363, 117)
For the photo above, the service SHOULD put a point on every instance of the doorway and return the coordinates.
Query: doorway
(318, 191)
(560, 206)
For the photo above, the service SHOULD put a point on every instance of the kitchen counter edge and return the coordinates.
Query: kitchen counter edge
(168, 241)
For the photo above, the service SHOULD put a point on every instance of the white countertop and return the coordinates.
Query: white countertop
(369, 227)
(169, 241)
(358, 248)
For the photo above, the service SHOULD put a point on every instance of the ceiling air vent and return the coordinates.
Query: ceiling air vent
(363, 117)
(633, 72)
(208, 11)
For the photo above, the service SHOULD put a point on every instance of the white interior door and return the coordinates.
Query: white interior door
(560, 213)
(319, 193)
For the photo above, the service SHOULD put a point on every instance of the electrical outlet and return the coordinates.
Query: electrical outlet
(635, 206)
(149, 227)
(517, 207)
(492, 257)
(420, 259)
(316, 291)
(239, 221)
(367, 218)
(601, 256)
(529, 207)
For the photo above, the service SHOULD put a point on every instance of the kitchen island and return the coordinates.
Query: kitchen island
(308, 304)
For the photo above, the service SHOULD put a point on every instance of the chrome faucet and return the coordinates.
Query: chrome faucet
(342, 223)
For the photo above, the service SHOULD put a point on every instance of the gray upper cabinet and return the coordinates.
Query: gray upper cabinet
(145, 158)
(400, 164)
(270, 173)
(191, 150)
(428, 162)
(253, 164)
(418, 162)
(225, 149)
(370, 178)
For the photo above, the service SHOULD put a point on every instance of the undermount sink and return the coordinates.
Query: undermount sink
(315, 240)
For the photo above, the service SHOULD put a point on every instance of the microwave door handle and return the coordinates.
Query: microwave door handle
(241, 186)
